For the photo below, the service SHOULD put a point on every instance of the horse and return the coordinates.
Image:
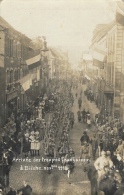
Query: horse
(120, 190)
(108, 185)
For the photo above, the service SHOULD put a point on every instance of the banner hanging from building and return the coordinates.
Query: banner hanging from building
(87, 57)
(34, 62)
(99, 54)
(26, 82)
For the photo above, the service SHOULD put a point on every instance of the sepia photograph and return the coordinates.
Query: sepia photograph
(61, 97)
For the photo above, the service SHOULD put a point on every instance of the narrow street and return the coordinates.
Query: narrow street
(57, 183)
(50, 52)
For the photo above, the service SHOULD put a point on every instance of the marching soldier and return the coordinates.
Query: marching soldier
(85, 153)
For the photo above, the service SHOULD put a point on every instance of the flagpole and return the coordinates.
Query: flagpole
(0, 6)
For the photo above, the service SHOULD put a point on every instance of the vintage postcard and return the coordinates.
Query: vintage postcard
(61, 97)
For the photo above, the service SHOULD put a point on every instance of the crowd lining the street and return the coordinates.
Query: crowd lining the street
(22, 135)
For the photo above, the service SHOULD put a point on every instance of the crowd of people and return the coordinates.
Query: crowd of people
(106, 142)
(22, 135)
(56, 142)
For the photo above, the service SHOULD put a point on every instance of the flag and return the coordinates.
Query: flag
(120, 13)
(87, 57)
(88, 78)
(34, 62)
(99, 54)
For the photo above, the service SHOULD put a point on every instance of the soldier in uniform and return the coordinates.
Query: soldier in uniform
(84, 138)
(94, 144)
(79, 115)
(102, 165)
(85, 153)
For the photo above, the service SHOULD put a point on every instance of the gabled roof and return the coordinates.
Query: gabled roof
(54, 53)
(6, 25)
(121, 5)
(101, 30)
(58, 54)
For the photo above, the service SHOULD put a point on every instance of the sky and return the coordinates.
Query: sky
(67, 24)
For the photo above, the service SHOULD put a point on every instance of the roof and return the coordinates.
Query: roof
(121, 5)
(101, 30)
(57, 53)
(54, 54)
(120, 13)
(6, 25)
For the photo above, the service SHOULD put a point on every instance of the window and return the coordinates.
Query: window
(7, 46)
(14, 48)
(11, 47)
(22, 48)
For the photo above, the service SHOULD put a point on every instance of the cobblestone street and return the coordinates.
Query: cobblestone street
(57, 183)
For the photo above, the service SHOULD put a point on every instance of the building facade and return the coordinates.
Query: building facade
(27, 68)
(17, 80)
(111, 71)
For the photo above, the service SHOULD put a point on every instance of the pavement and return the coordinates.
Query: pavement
(57, 183)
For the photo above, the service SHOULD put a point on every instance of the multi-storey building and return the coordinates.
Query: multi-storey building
(111, 69)
(26, 67)
(16, 76)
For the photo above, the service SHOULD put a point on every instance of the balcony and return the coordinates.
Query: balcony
(12, 90)
(11, 95)
(109, 88)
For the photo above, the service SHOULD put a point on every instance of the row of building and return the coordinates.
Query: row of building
(103, 65)
(27, 67)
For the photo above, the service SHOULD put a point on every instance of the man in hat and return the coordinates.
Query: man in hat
(26, 189)
(102, 165)
(84, 137)
(85, 153)
(83, 115)
(11, 191)
(94, 145)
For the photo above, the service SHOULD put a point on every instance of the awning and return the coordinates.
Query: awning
(34, 62)
(108, 90)
(88, 78)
